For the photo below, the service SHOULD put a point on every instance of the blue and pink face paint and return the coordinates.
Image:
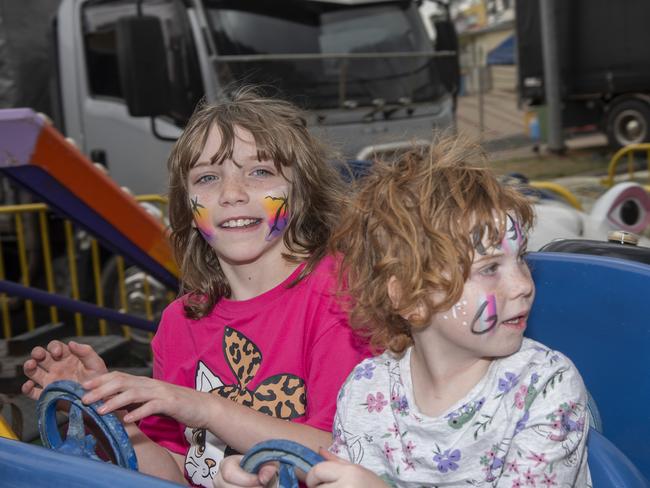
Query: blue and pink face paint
(513, 238)
(486, 317)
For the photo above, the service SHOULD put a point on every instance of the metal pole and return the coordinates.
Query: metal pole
(481, 88)
(552, 76)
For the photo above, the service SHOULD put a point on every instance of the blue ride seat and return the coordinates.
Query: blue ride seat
(609, 467)
(596, 310)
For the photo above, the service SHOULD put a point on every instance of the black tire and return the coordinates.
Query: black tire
(628, 122)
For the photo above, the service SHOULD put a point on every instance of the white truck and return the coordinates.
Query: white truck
(128, 73)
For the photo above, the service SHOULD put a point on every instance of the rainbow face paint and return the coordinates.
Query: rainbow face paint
(202, 219)
(277, 210)
(486, 316)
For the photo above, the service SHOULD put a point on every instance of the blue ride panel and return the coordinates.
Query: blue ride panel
(27, 466)
(596, 310)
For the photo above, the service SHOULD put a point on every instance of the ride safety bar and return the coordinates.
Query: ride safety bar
(629, 152)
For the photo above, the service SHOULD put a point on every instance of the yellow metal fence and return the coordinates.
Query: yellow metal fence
(34, 261)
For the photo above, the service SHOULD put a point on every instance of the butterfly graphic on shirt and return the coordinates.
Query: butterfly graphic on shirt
(280, 395)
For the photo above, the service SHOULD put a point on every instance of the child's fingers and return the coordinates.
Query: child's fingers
(119, 390)
(38, 353)
(145, 410)
(325, 472)
(121, 401)
(42, 357)
(99, 386)
(88, 356)
(266, 472)
(34, 372)
(31, 390)
(57, 350)
(230, 474)
(329, 456)
(104, 386)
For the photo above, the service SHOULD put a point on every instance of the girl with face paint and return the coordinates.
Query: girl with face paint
(434, 257)
(257, 337)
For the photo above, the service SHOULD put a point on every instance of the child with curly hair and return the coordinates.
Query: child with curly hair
(433, 260)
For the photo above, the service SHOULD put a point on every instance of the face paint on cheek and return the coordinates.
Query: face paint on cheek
(513, 238)
(277, 210)
(202, 219)
(486, 316)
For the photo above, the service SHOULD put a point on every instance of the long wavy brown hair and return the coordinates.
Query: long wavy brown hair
(415, 219)
(280, 132)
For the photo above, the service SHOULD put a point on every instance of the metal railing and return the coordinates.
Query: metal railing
(629, 153)
(560, 190)
(35, 259)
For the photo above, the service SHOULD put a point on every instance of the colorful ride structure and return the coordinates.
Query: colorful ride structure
(39, 158)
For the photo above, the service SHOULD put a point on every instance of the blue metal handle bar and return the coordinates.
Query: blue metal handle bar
(46, 298)
(289, 454)
(76, 441)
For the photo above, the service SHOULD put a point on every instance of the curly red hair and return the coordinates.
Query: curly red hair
(415, 220)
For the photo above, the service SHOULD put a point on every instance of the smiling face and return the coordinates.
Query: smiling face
(240, 205)
(490, 318)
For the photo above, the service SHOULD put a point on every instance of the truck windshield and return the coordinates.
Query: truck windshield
(324, 54)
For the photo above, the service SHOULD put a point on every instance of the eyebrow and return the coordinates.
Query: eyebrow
(200, 163)
(204, 163)
(487, 257)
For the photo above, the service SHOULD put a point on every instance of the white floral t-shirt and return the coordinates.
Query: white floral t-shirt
(523, 425)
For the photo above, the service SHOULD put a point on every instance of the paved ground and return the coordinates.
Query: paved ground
(504, 131)
(501, 117)
(510, 149)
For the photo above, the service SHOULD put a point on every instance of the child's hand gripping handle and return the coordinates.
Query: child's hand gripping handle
(290, 455)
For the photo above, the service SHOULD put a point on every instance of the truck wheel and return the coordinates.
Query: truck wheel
(628, 123)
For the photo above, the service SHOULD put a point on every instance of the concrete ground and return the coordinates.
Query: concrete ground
(511, 150)
(504, 131)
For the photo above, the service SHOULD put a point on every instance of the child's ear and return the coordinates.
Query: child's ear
(394, 291)
(395, 295)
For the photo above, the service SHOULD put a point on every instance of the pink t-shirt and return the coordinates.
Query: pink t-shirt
(285, 353)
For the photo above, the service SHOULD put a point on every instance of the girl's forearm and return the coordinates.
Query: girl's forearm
(241, 427)
(154, 459)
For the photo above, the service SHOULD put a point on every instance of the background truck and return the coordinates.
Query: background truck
(121, 77)
(604, 60)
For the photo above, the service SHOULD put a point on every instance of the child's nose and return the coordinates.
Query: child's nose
(233, 191)
(522, 282)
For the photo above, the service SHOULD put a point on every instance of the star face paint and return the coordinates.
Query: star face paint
(202, 219)
(486, 317)
(277, 210)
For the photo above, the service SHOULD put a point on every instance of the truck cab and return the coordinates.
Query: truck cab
(366, 72)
